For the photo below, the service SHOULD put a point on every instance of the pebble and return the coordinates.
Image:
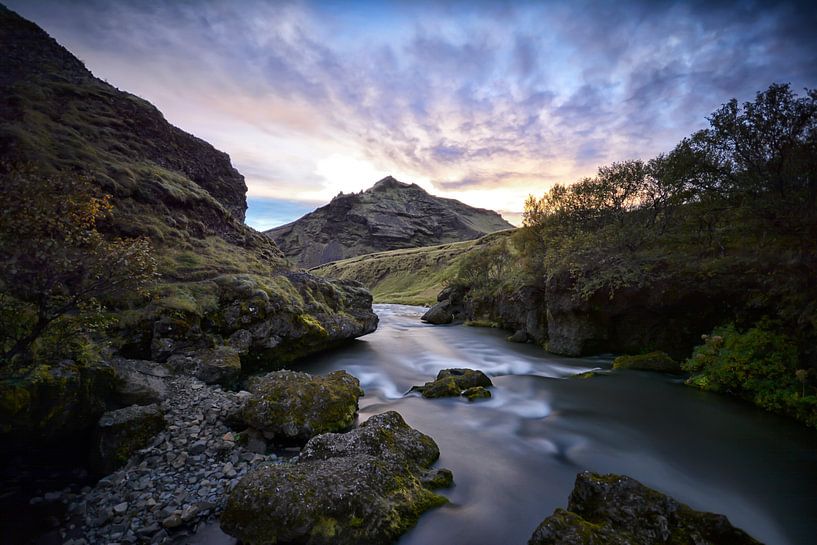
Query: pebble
(178, 482)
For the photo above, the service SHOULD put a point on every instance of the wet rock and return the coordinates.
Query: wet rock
(520, 336)
(292, 407)
(653, 361)
(454, 382)
(439, 314)
(122, 432)
(476, 393)
(364, 486)
(618, 510)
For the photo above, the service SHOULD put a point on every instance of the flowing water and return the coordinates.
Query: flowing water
(515, 457)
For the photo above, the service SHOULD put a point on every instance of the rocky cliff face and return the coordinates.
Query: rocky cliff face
(388, 216)
(226, 299)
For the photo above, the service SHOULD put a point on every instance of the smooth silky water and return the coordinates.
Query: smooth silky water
(515, 456)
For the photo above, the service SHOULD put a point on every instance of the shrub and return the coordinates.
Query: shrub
(760, 365)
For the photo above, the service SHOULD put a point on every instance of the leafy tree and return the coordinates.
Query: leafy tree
(57, 267)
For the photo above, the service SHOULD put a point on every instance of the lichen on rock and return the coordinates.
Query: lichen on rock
(367, 486)
(618, 510)
(292, 407)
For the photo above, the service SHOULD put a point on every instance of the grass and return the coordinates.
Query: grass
(412, 276)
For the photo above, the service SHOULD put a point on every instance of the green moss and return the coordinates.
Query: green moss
(653, 361)
(482, 323)
(325, 528)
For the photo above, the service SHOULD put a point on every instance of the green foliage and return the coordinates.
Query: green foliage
(58, 267)
(760, 365)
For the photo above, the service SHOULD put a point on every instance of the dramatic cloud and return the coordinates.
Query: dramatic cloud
(484, 102)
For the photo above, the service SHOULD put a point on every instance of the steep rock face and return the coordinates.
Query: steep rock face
(388, 216)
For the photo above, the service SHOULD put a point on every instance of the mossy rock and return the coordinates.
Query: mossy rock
(291, 407)
(618, 510)
(654, 361)
(49, 402)
(455, 382)
(367, 486)
(476, 393)
(122, 432)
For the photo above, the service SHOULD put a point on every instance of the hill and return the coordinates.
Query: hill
(413, 276)
(388, 216)
(226, 301)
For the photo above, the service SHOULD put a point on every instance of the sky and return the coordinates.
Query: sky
(485, 102)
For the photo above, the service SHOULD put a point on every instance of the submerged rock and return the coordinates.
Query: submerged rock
(454, 382)
(367, 486)
(618, 510)
(654, 361)
(121, 433)
(292, 407)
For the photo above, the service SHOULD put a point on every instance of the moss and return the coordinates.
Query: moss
(482, 323)
(325, 528)
(653, 361)
(476, 393)
(585, 375)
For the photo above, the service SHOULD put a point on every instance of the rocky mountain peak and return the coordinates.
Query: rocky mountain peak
(389, 215)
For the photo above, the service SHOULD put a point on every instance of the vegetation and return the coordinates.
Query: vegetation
(729, 215)
(760, 365)
(58, 268)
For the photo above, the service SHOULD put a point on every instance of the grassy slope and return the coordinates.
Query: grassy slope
(413, 276)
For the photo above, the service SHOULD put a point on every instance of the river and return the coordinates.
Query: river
(515, 456)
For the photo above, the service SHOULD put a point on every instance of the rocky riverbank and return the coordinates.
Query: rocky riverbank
(179, 481)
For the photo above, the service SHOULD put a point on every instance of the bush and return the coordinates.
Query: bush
(760, 365)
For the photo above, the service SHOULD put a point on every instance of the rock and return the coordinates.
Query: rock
(173, 521)
(439, 314)
(220, 365)
(139, 382)
(521, 336)
(364, 486)
(122, 432)
(292, 407)
(475, 393)
(120, 508)
(454, 382)
(618, 510)
(653, 361)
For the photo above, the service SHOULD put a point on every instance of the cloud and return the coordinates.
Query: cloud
(484, 102)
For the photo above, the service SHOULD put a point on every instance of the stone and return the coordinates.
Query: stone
(292, 407)
(652, 361)
(475, 393)
(139, 382)
(173, 521)
(363, 486)
(439, 314)
(220, 365)
(453, 382)
(120, 508)
(520, 336)
(618, 510)
(122, 432)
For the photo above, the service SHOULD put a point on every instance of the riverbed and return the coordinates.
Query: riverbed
(515, 456)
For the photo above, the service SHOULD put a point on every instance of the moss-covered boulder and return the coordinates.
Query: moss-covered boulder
(48, 402)
(454, 382)
(121, 433)
(291, 407)
(653, 361)
(476, 393)
(361, 487)
(618, 510)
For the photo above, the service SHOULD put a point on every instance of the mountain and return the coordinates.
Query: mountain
(388, 216)
(226, 303)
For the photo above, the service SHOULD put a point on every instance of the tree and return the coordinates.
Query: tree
(57, 267)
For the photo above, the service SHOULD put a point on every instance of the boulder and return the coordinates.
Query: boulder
(618, 510)
(439, 314)
(653, 361)
(122, 432)
(454, 382)
(520, 336)
(139, 382)
(220, 365)
(291, 407)
(367, 486)
(476, 393)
